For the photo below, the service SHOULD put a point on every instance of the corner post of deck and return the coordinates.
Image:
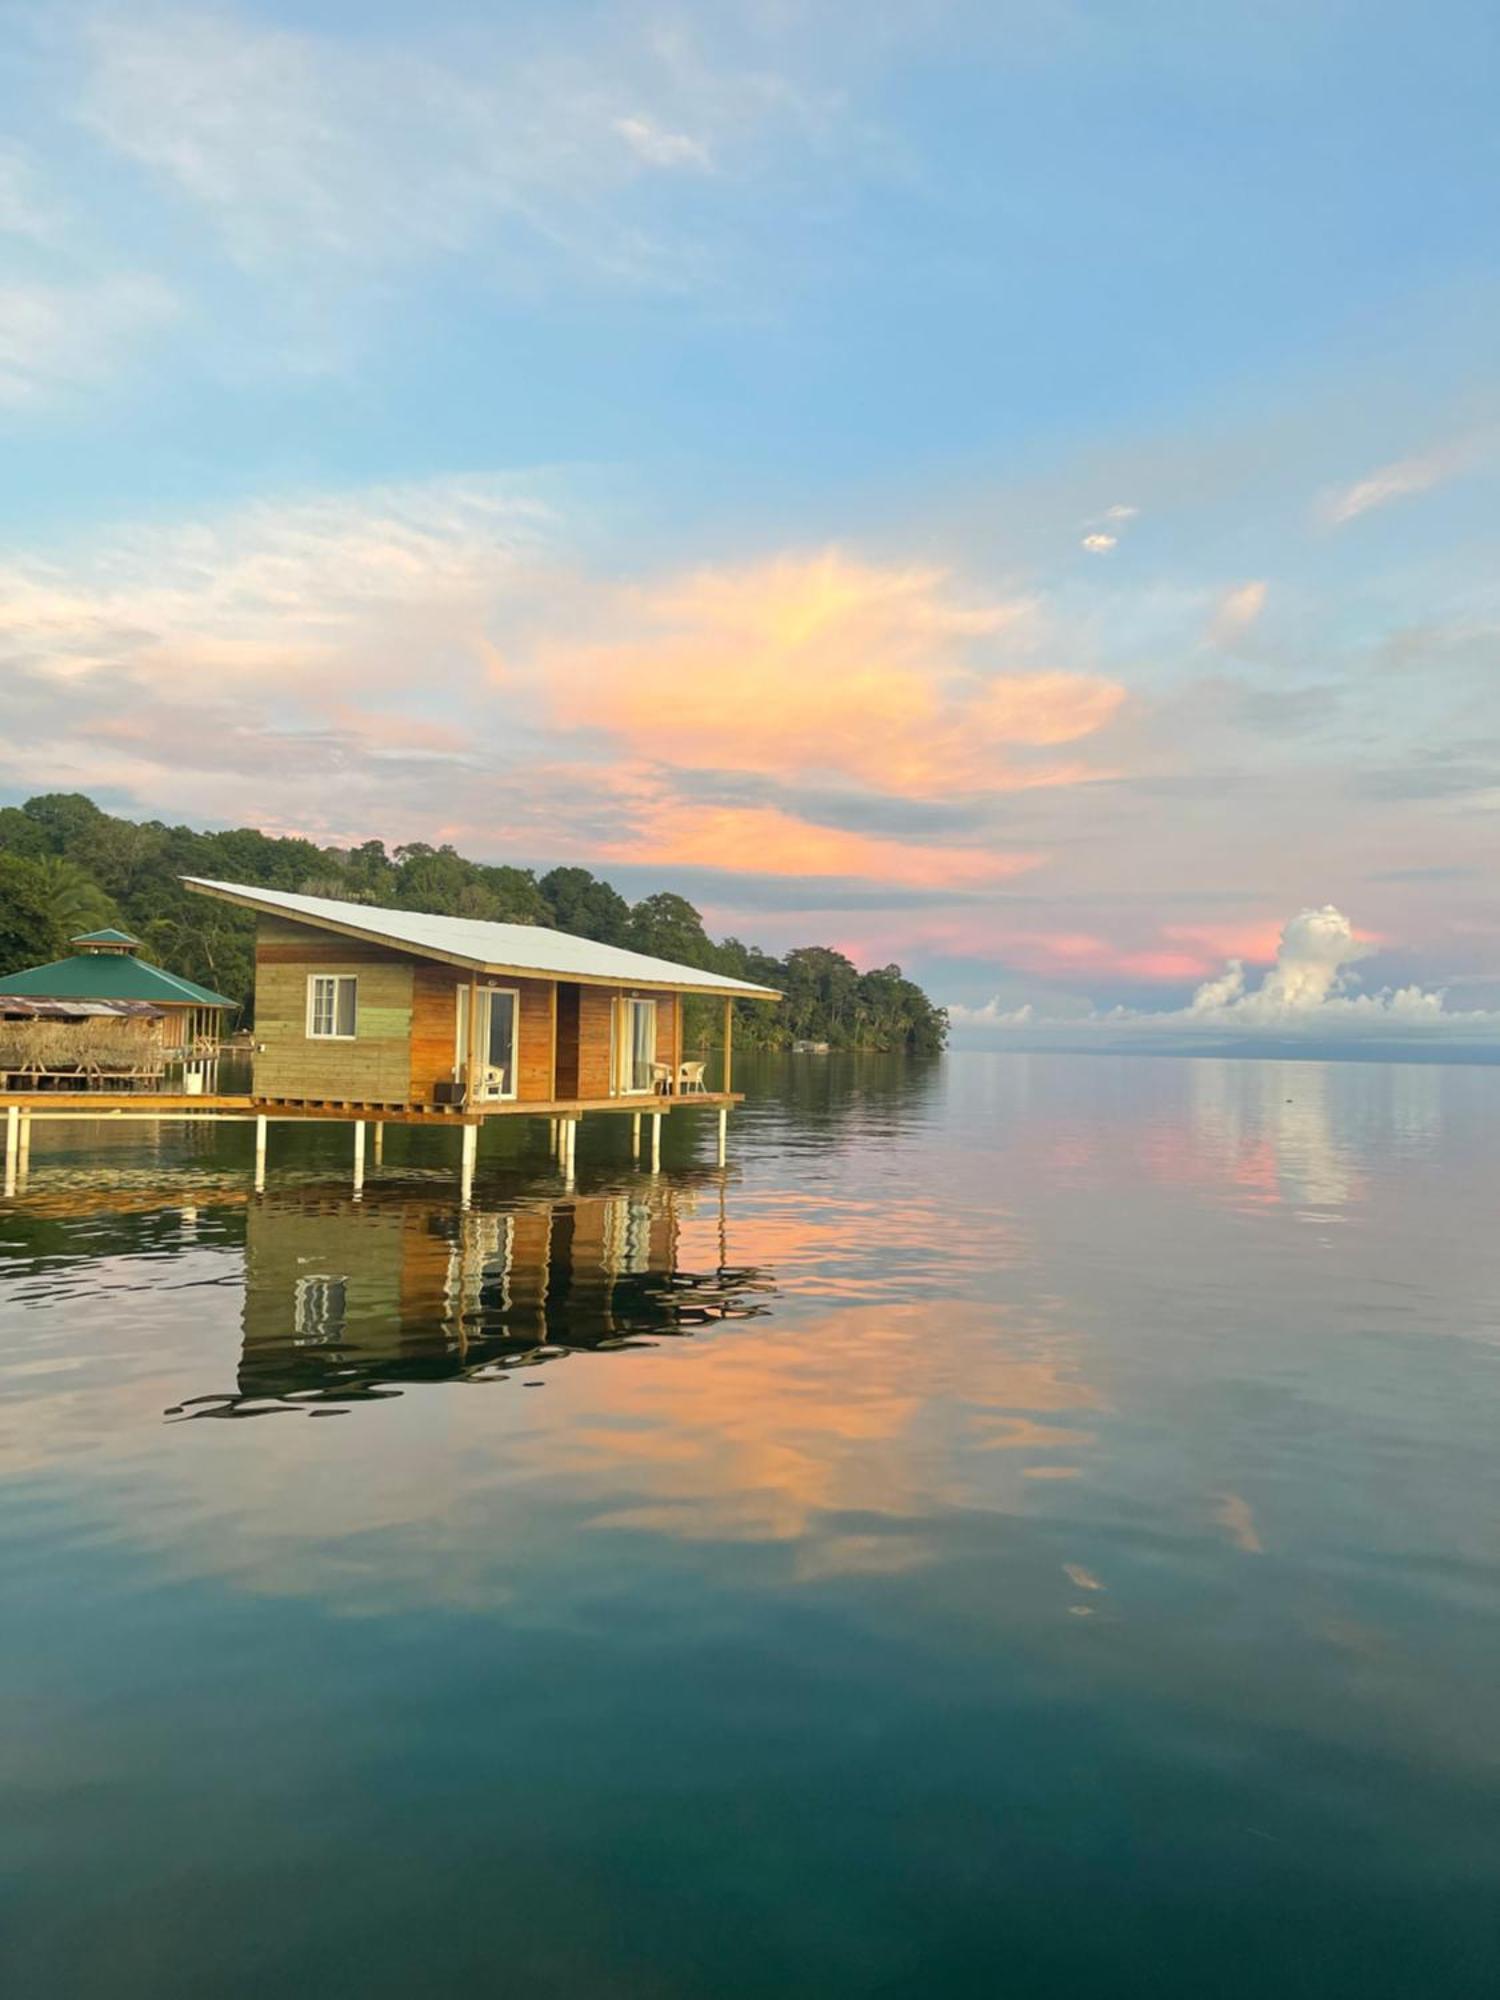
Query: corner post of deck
(635, 1133)
(723, 1133)
(12, 1145)
(467, 1158)
(656, 1142)
(260, 1152)
(377, 1143)
(568, 1153)
(23, 1148)
(471, 1067)
(359, 1156)
(728, 1045)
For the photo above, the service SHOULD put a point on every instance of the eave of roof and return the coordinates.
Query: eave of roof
(110, 976)
(18, 1007)
(521, 950)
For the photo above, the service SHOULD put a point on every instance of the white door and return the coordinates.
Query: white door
(496, 1040)
(635, 1046)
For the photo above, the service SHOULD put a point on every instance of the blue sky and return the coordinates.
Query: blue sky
(1009, 488)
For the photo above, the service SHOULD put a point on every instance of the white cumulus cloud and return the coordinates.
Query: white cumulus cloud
(1309, 996)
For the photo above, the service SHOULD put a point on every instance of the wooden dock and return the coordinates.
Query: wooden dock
(157, 1104)
(23, 1109)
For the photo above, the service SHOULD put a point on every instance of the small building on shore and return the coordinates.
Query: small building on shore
(398, 1010)
(106, 1010)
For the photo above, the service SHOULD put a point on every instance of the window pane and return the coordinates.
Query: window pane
(346, 994)
(502, 1028)
(643, 1043)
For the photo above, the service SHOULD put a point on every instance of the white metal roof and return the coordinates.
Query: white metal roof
(519, 948)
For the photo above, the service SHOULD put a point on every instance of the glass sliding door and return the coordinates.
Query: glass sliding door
(635, 1046)
(496, 1041)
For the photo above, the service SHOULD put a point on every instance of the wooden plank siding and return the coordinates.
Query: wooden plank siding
(434, 1029)
(596, 1024)
(376, 1066)
(534, 1083)
(435, 1055)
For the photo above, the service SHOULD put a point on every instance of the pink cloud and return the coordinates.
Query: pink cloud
(768, 841)
(827, 665)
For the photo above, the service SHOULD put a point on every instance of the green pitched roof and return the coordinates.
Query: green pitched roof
(109, 935)
(110, 976)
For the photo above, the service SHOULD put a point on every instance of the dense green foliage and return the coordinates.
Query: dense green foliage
(66, 867)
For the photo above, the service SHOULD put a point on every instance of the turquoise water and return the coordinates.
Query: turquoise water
(1028, 1527)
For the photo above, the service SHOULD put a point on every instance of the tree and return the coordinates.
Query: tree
(431, 878)
(20, 833)
(74, 901)
(667, 926)
(28, 930)
(516, 895)
(821, 988)
(64, 818)
(581, 903)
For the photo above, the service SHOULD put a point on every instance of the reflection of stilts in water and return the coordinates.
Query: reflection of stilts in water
(344, 1298)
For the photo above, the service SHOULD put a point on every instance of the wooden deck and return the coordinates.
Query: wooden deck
(170, 1104)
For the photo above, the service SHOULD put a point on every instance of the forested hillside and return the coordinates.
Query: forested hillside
(66, 867)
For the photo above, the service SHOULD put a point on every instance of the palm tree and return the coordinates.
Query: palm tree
(74, 902)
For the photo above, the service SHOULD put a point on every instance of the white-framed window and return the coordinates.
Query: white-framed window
(332, 1002)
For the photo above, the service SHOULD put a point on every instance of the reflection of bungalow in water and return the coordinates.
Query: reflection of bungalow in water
(342, 1296)
(394, 1009)
(104, 1014)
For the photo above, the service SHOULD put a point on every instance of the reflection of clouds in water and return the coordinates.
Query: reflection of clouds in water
(841, 1439)
(1234, 1516)
(883, 1413)
(1415, 1107)
(1270, 1124)
(840, 1247)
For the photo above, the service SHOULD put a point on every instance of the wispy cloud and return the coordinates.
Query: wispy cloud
(56, 338)
(1402, 479)
(314, 597)
(26, 209)
(662, 149)
(772, 841)
(1237, 610)
(373, 634)
(306, 150)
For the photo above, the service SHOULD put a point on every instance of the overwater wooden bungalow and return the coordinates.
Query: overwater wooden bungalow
(398, 1011)
(375, 1017)
(106, 1014)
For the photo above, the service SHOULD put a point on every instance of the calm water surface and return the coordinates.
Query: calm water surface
(1031, 1526)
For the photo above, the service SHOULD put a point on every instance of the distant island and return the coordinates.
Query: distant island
(66, 867)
